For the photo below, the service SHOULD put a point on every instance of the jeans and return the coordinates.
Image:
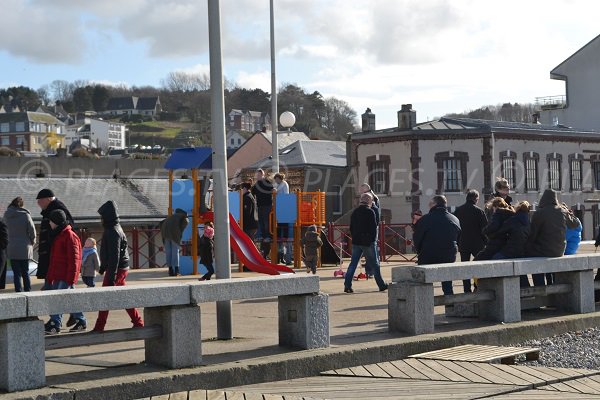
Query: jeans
(369, 252)
(21, 272)
(263, 222)
(172, 253)
(135, 316)
(539, 279)
(57, 318)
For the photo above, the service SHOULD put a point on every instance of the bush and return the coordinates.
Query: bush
(83, 153)
(6, 152)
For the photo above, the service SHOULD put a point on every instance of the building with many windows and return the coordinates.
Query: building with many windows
(104, 134)
(31, 131)
(249, 121)
(408, 164)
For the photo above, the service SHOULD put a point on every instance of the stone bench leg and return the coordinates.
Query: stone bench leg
(507, 305)
(581, 298)
(180, 345)
(410, 307)
(304, 321)
(22, 358)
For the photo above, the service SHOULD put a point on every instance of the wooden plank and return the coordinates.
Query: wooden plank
(197, 395)
(252, 396)
(482, 373)
(424, 369)
(392, 370)
(408, 370)
(448, 374)
(516, 370)
(376, 371)
(54, 342)
(503, 377)
(584, 385)
(458, 367)
(215, 395)
(234, 395)
(545, 375)
(161, 397)
(344, 372)
(178, 396)
(361, 371)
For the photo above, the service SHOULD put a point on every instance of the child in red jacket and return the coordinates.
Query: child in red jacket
(64, 267)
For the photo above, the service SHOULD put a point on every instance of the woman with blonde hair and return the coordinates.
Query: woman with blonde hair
(501, 212)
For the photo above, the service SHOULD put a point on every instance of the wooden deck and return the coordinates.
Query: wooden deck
(419, 379)
(481, 353)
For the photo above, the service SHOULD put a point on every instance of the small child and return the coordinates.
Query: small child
(206, 251)
(311, 242)
(90, 262)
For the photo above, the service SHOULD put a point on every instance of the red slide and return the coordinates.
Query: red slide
(249, 254)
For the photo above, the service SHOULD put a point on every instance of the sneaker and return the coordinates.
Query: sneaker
(383, 289)
(202, 279)
(51, 328)
(72, 321)
(348, 290)
(79, 326)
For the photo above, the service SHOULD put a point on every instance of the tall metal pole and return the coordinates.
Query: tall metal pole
(219, 165)
(274, 119)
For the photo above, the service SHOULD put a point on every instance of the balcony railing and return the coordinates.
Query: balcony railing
(551, 102)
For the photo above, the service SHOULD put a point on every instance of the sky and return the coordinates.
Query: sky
(440, 56)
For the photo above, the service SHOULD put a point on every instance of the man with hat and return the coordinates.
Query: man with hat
(47, 203)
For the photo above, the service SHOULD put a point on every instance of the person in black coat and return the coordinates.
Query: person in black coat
(363, 230)
(250, 216)
(516, 229)
(263, 193)
(114, 260)
(472, 222)
(436, 237)
(206, 251)
(496, 238)
(3, 246)
(47, 203)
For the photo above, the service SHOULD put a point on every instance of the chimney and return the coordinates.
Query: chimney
(407, 117)
(368, 121)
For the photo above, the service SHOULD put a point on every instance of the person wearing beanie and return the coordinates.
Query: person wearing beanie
(48, 202)
(363, 230)
(312, 243)
(63, 267)
(206, 251)
(171, 230)
(114, 260)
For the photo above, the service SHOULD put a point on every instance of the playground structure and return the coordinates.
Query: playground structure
(297, 210)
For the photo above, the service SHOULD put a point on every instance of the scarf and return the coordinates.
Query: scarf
(86, 252)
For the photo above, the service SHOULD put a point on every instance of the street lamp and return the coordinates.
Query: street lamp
(287, 119)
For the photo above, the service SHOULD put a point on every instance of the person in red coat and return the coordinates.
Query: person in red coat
(64, 267)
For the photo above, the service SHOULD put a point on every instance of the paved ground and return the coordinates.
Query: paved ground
(358, 323)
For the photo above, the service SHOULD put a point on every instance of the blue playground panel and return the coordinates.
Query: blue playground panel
(286, 208)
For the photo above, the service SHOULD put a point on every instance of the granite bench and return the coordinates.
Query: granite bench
(171, 313)
(499, 297)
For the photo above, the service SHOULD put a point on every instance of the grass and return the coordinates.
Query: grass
(167, 130)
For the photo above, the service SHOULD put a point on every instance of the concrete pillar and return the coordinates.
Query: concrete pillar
(581, 298)
(304, 321)
(22, 358)
(506, 307)
(410, 307)
(180, 345)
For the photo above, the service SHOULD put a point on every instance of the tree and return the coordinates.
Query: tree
(179, 81)
(100, 97)
(339, 119)
(44, 95)
(62, 91)
(82, 99)
(20, 96)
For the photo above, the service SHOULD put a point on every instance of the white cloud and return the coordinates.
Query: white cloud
(259, 80)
